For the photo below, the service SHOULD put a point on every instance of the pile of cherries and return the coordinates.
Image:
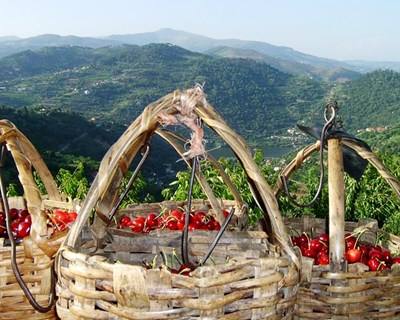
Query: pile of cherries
(172, 220)
(374, 256)
(61, 219)
(20, 223)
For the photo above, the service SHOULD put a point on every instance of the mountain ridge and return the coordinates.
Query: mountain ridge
(184, 39)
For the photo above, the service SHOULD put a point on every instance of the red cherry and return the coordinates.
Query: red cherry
(316, 245)
(324, 237)
(23, 229)
(387, 257)
(296, 241)
(350, 242)
(374, 264)
(180, 225)
(72, 216)
(307, 252)
(375, 253)
(396, 260)
(28, 219)
(303, 239)
(216, 224)
(14, 226)
(140, 218)
(137, 225)
(13, 213)
(61, 216)
(150, 222)
(185, 269)
(353, 255)
(178, 215)
(322, 259)
(172, 225)
(124, 222)
(22, 213)
(198, 219)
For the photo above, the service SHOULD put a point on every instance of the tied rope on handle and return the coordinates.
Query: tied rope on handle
(14, 265)
(186, 116)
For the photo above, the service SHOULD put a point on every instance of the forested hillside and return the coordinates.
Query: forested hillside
(112, 85)
(77, 101)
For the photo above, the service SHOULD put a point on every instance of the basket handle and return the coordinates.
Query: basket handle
(334, 205)
(177, 143)
(361, 150)
(26, 158)
(104, 190)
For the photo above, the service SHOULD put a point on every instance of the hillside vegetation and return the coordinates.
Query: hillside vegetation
(112, 85)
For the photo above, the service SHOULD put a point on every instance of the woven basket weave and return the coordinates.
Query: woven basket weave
(252, 275)
(34, 254)
(357, 293)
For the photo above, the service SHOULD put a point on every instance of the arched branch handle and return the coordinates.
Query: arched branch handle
(363, 152)
(104, 190)
(27, 159)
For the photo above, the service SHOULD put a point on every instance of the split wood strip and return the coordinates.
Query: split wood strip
(250, 275)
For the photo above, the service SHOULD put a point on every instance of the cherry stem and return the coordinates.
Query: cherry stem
(358, 237)
(308, 240)
(294, 230)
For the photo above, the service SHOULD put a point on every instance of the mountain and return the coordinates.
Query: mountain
(109, 87)
(292, 60)
(58, 131)
(49, 59)
(371, 101)
(368, 66)
(8, 38)
(112, 85)
(195, 42)
(292, 67)
(200, 43)
(13, 45)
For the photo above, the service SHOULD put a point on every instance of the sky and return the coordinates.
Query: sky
(338, 29)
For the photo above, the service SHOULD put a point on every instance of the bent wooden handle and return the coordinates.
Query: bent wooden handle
(27, 160)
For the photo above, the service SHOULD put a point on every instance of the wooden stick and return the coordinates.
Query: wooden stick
(336, 204)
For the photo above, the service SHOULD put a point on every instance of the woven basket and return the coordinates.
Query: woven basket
(252, 275)
(35, 252)
(356, 293)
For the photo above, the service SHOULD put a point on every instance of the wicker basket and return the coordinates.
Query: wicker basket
(251, 275)
(35, 252)
(355, 293)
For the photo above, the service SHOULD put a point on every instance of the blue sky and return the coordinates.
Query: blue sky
(341, 29)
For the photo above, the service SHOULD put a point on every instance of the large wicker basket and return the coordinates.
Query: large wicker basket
(355, 293)
(252, 275)
(34, 254)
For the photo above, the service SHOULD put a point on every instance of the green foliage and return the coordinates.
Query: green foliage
(371, 197)
(73, 184)
(39, 183)
(178, 189)
(137, 193)
(370, 101)
(113, 85)
(302, 186)
(12, 190)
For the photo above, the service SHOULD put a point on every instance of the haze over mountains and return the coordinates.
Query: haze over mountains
(284, 58)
